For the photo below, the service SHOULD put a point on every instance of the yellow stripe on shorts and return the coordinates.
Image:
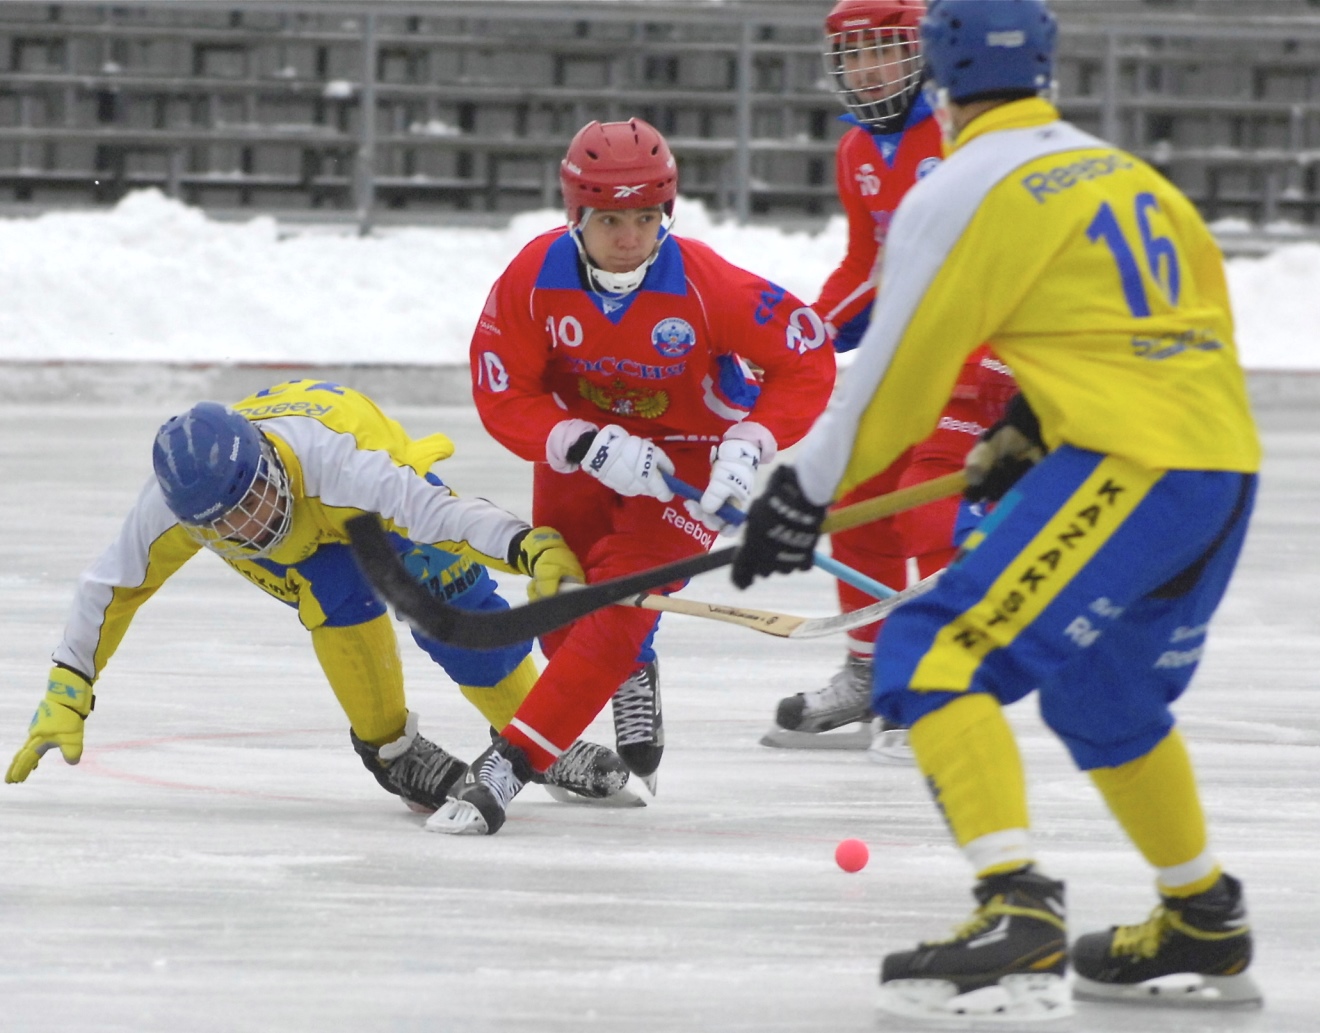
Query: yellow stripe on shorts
(1035, 578)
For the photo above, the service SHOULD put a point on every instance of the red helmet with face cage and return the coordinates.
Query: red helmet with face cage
(873, 58)
(618, 165)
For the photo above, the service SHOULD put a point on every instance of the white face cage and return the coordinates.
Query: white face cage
(255, 527)
(876, 73)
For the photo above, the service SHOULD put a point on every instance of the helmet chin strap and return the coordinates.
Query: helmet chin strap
(616, 283)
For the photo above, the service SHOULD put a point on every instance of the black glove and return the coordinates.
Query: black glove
(1005, 452)
(781, 531)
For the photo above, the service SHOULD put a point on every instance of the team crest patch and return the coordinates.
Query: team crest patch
(622, 400)
(928, 165)
(673, 337)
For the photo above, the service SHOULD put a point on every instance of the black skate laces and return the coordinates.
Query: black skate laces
(498, 776)
(634, 709)
(424, 766)
(575, 766)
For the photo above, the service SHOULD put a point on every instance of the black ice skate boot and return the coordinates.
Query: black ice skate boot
(477, 804)
(589, 773)
(1007, 962)
(801, 720)
(639, 724)
(1192, 950)
(412, 767)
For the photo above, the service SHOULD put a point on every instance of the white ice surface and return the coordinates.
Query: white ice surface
(221, 862)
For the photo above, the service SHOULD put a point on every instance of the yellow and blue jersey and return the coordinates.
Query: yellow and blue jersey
(343, 457)
(1114, 314)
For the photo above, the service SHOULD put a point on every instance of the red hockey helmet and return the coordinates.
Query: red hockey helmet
(873, 58)
(618, 165)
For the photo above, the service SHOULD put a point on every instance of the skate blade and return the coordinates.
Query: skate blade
(1184, 990)
(625, 797)
(1025, 998)
(858, 738)
(457, 818)
(890, 747)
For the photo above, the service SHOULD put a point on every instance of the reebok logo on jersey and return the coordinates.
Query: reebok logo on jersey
(960, 426)
(692, 528)
(1058, 179)
(313, 409)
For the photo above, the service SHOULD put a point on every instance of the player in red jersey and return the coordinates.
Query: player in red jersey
(873, 57)
(609, 353)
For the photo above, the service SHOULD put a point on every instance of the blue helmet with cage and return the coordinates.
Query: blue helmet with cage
(986, 48)
(223, 481)
(206, 461)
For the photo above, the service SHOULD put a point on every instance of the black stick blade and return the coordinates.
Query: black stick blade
(383, 568)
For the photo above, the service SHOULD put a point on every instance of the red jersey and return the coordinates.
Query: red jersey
(666, 362)
(872, 172)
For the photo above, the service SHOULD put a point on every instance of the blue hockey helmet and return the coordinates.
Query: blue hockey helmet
(975, 48)
(222, 480)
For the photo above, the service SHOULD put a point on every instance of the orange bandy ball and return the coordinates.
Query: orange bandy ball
(852, 855)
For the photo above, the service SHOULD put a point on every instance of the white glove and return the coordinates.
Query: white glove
(732, 477)
(628, 464)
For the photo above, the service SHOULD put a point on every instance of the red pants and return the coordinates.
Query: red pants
(612, 535)
(902, 549)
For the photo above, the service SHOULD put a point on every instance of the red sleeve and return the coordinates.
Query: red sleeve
(509, 355)
(850, 288)
(775, 331)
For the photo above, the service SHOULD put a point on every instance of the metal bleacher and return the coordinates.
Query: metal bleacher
(259, 105)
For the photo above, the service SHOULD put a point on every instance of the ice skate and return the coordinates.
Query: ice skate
(808, 721)
(1192, 951)
(889, 743)
(639, 724)
(592, 774)
(477, 805)
(412, 767)
(1007, 964)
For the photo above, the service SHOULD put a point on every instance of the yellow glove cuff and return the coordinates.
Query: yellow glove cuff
(69, 689)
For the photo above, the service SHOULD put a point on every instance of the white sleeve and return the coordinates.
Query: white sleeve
(128, 563)
(339, 472)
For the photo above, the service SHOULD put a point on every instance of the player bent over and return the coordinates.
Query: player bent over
(1094, 580)
(873, 59)
(267, 485)
(610, 353)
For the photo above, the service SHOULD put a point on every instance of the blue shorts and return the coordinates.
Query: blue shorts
(1093, 582)
(460, 582)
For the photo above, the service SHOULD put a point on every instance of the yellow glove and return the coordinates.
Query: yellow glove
(544, 556)
(57, 722)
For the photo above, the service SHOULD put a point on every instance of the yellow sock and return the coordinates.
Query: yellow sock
(970, 760)
(498, 703)
(363, 667)
(1155, 799)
